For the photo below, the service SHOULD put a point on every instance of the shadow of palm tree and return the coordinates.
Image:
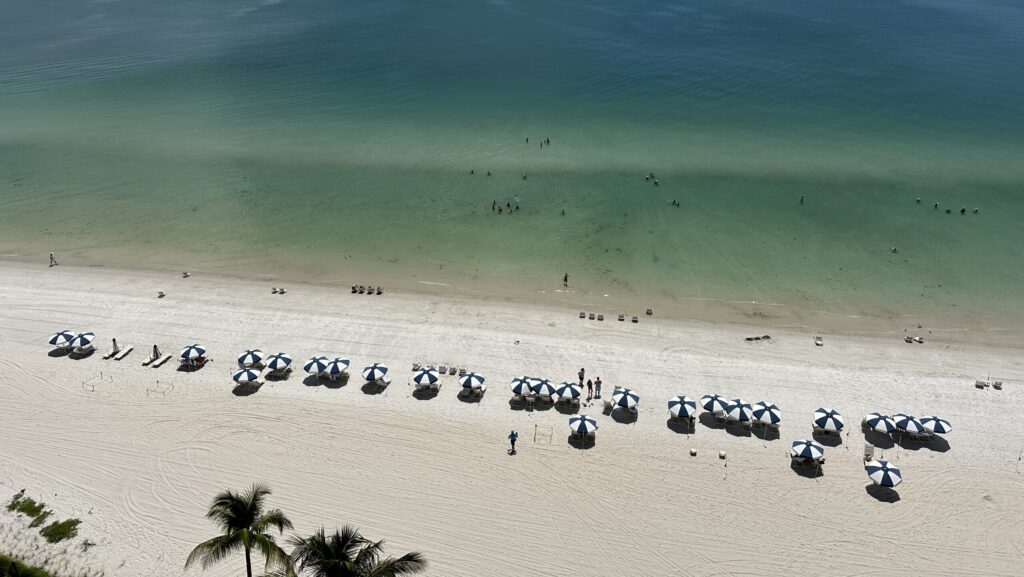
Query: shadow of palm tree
(883, 494)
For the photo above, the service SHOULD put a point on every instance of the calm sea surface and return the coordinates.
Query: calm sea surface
(334, 140)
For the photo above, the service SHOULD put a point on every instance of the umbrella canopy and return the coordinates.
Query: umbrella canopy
(766, 413)
(682, 406)
(375, 372)
(883, 474)
(315, 365)
(714, 403)
(62, 338)
(739, 410)
(279, 361)
(936, 424)
(83, 339)
(543, 388)
(879, 422)
(828, 419)
(246, 375)
(907, 423)
(522, 386)
(568, 390)
(625, 398)
(193, 352)
(471, 381)
(426, 377)
(582, 424)
(807, 449)
(336, 367)
(250, 358)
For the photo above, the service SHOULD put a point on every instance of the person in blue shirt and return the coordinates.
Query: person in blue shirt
(512, 439)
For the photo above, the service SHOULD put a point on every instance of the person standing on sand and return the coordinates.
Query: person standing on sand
(512, 437)
(597, 388)
(565, 277)
(581, 373)
(590, 389)
(53, 261)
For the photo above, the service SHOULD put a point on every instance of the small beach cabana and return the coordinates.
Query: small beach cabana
(883, 474)
(682, 407)
(807, 451)
(316, 365)
(936, 424)
(279, 364)
(879, 423)
(827, 421)
(250, 358)
(62, 339)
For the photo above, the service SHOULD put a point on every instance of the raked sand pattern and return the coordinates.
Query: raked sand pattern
(137, 452)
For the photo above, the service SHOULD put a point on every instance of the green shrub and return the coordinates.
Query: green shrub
(11, 568)
(60, 530)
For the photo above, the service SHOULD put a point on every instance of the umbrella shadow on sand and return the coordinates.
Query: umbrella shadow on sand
(827, 439)
(879, 440)
(57, 353)
(623, 416)
(468, 397)
(709, 421)
(336, 383)
(739, 430)
(807, 470)
(681, 426)
(372, 388)
(883, 494)
(425, 394)
(246, 389)
(567, 408)
(936, 443)
(582, 442)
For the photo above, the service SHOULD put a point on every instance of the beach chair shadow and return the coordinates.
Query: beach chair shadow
(79, 355)
(543, 405)
(883, 494)
(518, 404)
(336, 383)
(738, 430)
(681, 426)
(276, 377)
(936, 443)
(567, 408)
(57, 353)
(879, 440)
(709, 421)
(806, 470)
(623, 416)
(425, 394)
(767, 433)
(582, 442)
(467, 396)
(245, 389)
(827, 439)
(372, 388)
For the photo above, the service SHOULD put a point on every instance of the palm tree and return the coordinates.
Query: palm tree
(246, 526)
(349, 554)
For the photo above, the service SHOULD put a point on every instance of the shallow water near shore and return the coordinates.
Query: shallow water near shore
(335, 143)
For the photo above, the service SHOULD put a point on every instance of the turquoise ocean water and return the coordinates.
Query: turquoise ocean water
(333, 140)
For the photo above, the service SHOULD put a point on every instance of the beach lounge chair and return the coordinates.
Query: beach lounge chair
(997, 385)
(478, 392)
(83, 351)
(160, 362)
(124, 352)
(583, 315)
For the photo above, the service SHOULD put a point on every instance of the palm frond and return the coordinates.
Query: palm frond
(407, 564)
(272, 552)
(275, 518)
(213, 550)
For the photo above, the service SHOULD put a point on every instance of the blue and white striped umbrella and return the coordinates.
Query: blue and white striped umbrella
(336, 368)
(374, 372)
(936, 424)
(193, 352)
(83, 339)
(883, 474)
(739, 410)
(471, 381)
(582, 424)
(569, 390)
(426, 377)
(766, 413)
(315, 365)
(625, 398)
(279, 362)
(879, 422)
(246, 375)
(522, 386)
(807, 449)
(62, 338)
(714, 403)
(250, 358)
(543, 388)
(682, 406)
(828, 419)
(907, 423)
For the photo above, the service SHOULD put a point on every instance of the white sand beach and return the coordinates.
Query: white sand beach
(136, 453)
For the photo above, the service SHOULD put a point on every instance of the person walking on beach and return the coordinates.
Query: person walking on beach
(581, 373)
(597, 388)
(53, 261)
(590, 389)
(565, 277)
(512, 437)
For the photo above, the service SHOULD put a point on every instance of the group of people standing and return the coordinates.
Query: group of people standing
(593, 386)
